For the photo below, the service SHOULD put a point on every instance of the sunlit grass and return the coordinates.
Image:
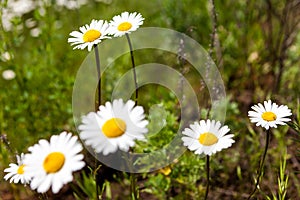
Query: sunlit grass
(37, 102)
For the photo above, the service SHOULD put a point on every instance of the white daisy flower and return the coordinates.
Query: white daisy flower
(269, 114)
(16, 172)
(89, 35)
(207, 137)
(51, 164)
(8, 74)
(125, 23)
(115, 125)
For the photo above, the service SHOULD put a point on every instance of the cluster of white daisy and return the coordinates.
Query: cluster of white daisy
(118, 124)
(48, 163)
(115, 126)
(208, 137)
(90, 35)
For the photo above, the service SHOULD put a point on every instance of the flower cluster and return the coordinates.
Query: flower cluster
(98, 30)
(51, 164)
(118, 124)
(48, 164)
(208, 137)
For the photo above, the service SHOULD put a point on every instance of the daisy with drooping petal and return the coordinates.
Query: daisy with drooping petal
(125, 23)
(115, 126)
(16, 172)
(51, 164)
(89, 35)
(269, 114)
(207, 137)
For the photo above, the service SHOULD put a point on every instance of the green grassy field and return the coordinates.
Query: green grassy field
(255, 46)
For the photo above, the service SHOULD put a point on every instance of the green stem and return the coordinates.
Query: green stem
(95, 176)
(97, 104)
(133, 188)
(99, 76)
(133, 68)
(207, 177)
(261, 164)
(3, 138)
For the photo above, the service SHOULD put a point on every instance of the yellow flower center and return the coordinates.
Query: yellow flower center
(91, 35)
(269, 116)
(114, 127)
(208, 139)
(21, 169)
(54, 162)
(166, 170)
(125, 26)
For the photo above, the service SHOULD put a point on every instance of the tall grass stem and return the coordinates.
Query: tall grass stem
(261, 164)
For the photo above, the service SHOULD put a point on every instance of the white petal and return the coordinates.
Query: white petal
(45, 185)
(57, 184)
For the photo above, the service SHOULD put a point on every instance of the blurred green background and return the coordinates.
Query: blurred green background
(256, 46)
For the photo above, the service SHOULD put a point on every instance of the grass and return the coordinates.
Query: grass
(256, 49)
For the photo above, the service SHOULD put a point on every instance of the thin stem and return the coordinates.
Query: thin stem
(99, 76)
(76, 190)
(207, 177)
(97, 104)
(3, 138)
(261, 164)
(95, 176)
(133, 68)
(133, 189)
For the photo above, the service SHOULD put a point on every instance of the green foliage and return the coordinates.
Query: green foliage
(179, 180)
(158, 185)
(282, 181)
(87, 185)
(256, 49)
